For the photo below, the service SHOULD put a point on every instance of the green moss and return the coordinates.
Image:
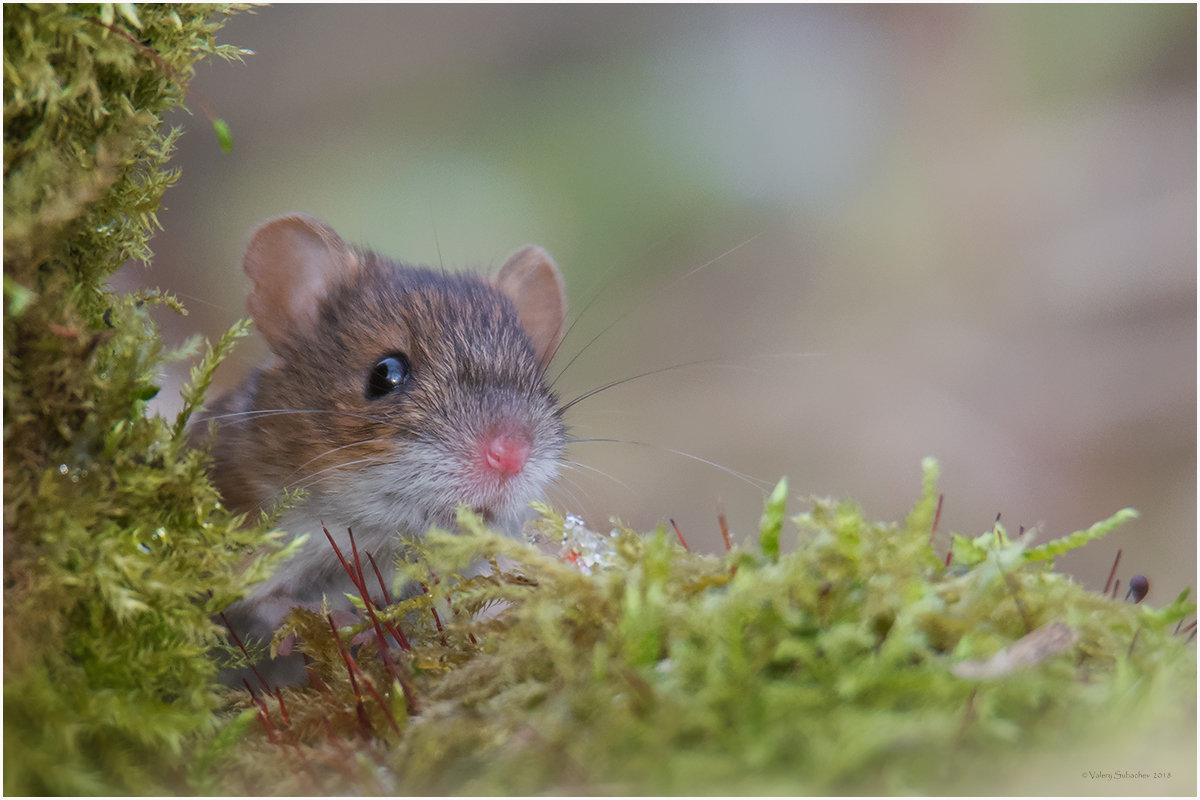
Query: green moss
(116, 547)
(830, 663)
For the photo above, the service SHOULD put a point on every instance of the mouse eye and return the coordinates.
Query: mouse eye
(388, 375)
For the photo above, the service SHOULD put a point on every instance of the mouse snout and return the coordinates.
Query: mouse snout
(504, 453)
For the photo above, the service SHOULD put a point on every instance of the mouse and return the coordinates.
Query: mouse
(392, 395)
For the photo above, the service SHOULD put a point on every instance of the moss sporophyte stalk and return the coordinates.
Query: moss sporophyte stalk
(828, 654)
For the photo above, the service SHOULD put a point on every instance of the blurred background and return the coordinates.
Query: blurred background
(888, 232)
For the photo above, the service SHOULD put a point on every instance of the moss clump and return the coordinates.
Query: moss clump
(836, 662)
(116, 548)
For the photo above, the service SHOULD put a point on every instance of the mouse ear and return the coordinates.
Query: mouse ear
(532, 281)
(293, 261)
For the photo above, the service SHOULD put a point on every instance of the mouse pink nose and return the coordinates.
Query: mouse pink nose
(506, 453)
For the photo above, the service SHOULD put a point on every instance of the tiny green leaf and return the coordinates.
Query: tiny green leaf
(1051, 550)
(202, 375)
(19, 297)
(145, 392)
(224, 136)
(772, 521)
(921, 518)
(968, 551)
(399, 702)
(130, 14)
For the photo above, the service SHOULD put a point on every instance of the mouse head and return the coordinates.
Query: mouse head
(414, 390)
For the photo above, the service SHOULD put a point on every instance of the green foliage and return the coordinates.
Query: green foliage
(830, 666)
(224, 135)
(772, 521)
(1052, 550)
(116, 547)
(84, 145)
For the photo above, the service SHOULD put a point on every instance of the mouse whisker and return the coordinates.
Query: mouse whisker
(567, 486)
(250, 416)
(311, 478)
(336, 449)
(568, 463)
(758, 483)
(603, 286)
(560, 490)
(704, 361)
(569, 498)
(765, 356)
(591, 301)
(648, 296)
